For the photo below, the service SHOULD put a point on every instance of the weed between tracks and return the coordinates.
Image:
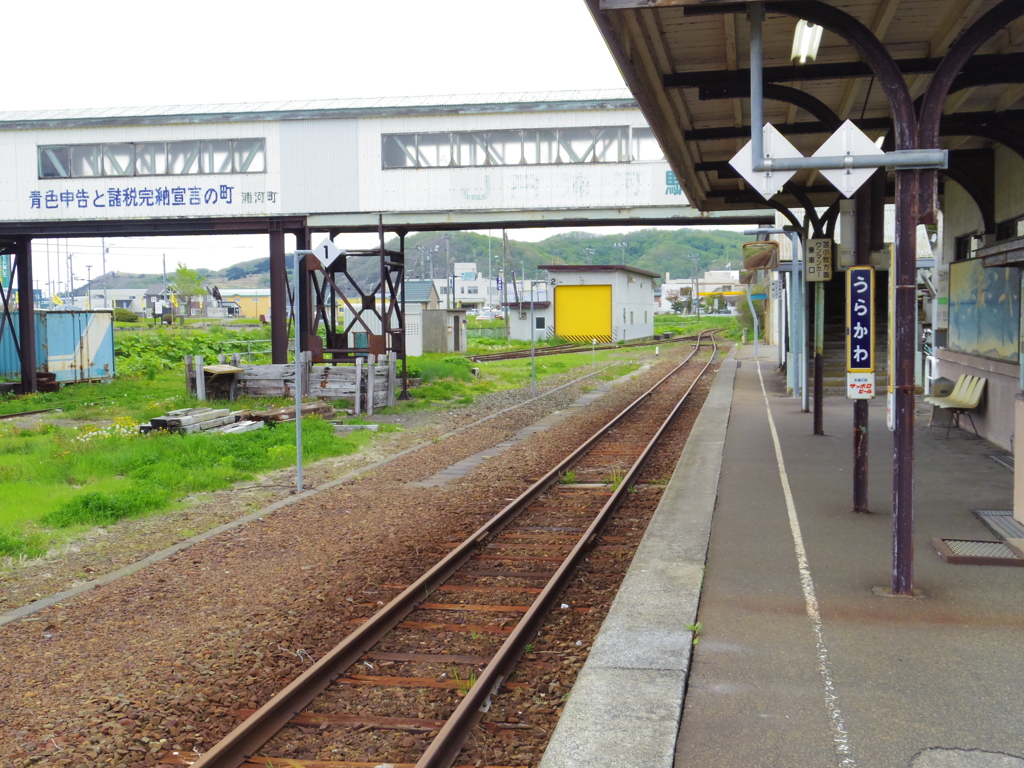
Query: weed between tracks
(615, 478)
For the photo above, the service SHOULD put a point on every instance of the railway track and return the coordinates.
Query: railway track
(409, 684)
(562, 349)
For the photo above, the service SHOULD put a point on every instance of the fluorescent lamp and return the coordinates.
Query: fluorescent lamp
(806, 40)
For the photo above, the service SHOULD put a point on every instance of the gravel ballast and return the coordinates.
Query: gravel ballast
(165, 657)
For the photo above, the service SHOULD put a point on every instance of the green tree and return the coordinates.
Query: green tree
(186, 285)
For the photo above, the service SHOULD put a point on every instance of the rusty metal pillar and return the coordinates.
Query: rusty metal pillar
(892, 82)
(917, 202)
(26, 314)
(385, 326)
(304, 305)
(278, 298)
(819, 358)
(905, 312)
(405, 325)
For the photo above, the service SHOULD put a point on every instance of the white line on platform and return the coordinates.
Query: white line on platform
(840, 736)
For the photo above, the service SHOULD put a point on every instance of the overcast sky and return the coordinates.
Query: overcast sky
(114, 53)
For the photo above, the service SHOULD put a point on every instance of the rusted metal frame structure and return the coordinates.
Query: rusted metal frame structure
(916, 198)
(322, 291)
(991, 69)
(988, 64)
(25, 338)
(7, 297)
(16, 238)
(280, 295)
(241, 743)
(916, 202)
(652, 69)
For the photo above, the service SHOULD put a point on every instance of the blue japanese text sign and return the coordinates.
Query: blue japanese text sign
(860, 331)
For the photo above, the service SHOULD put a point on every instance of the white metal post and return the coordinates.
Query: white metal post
(533, 331)
(753, 314)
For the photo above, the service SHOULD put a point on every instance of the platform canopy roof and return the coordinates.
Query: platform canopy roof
(687, 64)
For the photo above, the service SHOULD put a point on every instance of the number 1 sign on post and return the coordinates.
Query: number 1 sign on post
(860, 333)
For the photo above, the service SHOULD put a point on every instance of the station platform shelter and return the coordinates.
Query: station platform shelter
(921, 86)
(756, 626)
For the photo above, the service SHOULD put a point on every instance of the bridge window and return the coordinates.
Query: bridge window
(467, 149)
(183, 157)
(118, 160)
(150, 159)
(645, 147)
(174, 158)
(85, 161)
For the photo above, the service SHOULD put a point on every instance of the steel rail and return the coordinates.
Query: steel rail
(444, 749)
(241, 743)
(567, 349)
(26, 413)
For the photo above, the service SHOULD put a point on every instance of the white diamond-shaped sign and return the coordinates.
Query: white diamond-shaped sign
(848, 141)
(327, 251)
(768, 183)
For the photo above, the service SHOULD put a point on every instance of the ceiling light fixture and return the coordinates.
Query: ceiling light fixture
(806, 40)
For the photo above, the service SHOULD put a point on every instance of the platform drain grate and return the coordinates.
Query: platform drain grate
(969, 552)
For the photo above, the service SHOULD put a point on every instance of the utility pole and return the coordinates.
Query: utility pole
(696, 283)
(449, 269)
(622, 247)
(103, 249)
(166, 297)
(490, 274)
(504, 279)
(88, 286)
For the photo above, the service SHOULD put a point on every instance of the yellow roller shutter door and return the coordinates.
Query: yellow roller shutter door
(583, 312)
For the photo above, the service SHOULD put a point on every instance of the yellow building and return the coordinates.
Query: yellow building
(252, 302)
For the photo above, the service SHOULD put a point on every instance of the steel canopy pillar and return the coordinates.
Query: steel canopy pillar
(26, 314)
(278, 298)
(895, 87)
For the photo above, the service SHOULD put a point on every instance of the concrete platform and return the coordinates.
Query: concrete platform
(798, 662)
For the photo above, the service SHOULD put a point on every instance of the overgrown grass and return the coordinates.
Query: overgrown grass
(688, 324)
(449, 382)
(56, 479)
(137, 399)
(61, 478)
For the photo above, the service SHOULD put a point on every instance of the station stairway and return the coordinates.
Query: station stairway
(835, 355)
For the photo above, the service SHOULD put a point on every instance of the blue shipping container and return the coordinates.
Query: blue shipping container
(75, 345)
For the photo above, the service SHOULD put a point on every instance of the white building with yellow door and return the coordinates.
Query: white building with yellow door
(605, 302)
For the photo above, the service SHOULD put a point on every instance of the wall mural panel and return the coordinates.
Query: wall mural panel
(984, 310)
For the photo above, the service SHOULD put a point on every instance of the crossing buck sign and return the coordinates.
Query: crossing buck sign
(860, 333)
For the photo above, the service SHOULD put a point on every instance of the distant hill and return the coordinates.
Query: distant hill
(680, 252)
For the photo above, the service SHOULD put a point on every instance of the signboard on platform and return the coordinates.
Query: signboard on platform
(860, 386)
(860, 332)
(777, 288)
(819, 259)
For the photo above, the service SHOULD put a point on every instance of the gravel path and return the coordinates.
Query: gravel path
(162, 658)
